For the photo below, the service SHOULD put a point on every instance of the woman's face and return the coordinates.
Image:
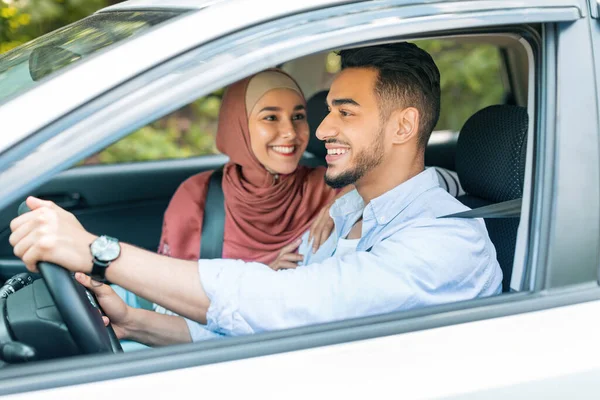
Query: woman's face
(279, 130)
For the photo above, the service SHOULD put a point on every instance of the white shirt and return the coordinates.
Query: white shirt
(406, 258)
(346, 246)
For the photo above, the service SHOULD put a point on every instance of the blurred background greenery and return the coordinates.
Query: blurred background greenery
(471, 78)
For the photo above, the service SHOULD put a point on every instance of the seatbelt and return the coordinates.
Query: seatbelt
(506, 209)
(213, 225)
(211, 246)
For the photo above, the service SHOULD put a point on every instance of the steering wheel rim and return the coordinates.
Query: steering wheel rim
(82, 318)
(78, 308)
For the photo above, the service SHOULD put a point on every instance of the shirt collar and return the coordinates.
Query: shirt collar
(387, 206)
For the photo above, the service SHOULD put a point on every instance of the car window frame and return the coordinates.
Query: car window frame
(327, 334)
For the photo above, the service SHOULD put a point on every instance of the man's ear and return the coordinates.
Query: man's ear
(406, 125)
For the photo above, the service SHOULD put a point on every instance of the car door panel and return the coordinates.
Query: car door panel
(126, 201)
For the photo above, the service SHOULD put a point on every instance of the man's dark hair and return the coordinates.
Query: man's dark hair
(408, 77)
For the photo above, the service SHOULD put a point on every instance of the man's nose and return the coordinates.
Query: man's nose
(326, 129)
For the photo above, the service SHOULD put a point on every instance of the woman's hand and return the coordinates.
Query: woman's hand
(323, 225)
(288, 257)
(117, 312)
(321, 228)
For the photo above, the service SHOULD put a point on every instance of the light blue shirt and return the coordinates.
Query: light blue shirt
(406, 258)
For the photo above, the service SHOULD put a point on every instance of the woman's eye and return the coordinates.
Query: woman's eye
(299, 117)
(270, 118)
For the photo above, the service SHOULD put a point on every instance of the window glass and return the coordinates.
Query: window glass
(471, 79)
(187, 132)
(22, 67)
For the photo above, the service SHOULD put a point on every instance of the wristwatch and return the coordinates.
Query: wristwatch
(105, 249)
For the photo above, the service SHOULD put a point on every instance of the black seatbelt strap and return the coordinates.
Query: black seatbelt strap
(506, 209)
(213, 225)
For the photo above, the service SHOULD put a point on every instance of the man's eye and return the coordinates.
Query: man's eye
(344, 113)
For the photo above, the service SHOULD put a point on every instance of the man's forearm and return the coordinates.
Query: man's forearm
(172, 283)
(154, 329)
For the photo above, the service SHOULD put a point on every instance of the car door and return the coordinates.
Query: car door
(124, 200)
(513, 345)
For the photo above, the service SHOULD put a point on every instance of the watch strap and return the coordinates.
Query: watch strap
(99, 269)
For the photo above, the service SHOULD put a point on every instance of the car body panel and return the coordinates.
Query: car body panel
(475, 359)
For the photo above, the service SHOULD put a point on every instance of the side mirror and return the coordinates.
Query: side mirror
(46, 60)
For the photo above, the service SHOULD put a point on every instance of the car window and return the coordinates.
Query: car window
(187, 132)
(472, 77)
(23, 67)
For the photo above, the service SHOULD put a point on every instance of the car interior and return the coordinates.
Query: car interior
(481, 162)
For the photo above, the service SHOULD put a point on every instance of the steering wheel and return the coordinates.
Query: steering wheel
(78, 308)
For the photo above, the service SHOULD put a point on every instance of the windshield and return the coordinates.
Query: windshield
(23, 67)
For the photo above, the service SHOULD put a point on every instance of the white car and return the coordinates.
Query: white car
(68, 95)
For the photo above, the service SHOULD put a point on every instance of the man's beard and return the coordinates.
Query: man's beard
(364, 161)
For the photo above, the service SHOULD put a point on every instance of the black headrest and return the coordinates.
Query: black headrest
(316, 110)
(490, 153)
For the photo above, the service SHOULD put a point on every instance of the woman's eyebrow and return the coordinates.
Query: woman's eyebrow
(297, 108)
(271, 109)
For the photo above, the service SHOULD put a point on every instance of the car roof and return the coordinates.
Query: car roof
(183, 4)
(162, 4)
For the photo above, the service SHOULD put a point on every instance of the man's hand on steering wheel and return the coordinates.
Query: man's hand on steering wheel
(49, 233)
(116, 309)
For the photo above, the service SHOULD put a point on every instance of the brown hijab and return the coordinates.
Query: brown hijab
(262, 214)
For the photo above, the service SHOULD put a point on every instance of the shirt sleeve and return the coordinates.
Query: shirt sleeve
(400, 272)
(199, 332)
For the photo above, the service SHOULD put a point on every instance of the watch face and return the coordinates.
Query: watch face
(105, 248)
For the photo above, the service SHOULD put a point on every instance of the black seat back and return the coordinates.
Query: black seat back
(316, 111)
(490, 162)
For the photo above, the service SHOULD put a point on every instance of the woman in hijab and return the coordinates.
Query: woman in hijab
(270, 200)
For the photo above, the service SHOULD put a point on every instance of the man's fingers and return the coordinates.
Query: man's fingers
(25, 244)
(30, 258)
(18, 234)
(98, 288)
(23, 219)
(34, 203)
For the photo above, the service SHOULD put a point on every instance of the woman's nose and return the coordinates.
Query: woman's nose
(288, 131)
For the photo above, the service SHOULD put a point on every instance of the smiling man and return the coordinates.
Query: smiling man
(388, 252)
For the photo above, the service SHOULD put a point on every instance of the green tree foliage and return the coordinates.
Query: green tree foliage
(23, 20)
(185, 133)
(471, 79)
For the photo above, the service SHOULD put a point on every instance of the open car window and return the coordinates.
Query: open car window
(22, 68)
